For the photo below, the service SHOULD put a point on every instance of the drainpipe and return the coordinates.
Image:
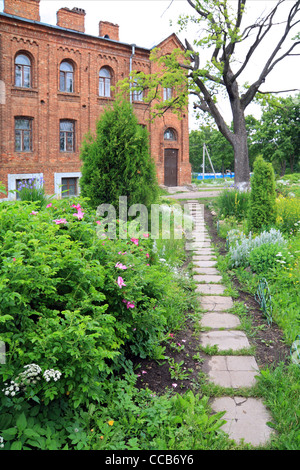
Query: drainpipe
(130, 67)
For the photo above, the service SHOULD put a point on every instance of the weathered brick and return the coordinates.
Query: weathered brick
(47, 46)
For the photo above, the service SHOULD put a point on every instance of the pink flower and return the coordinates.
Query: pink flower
(121, 282)
(33, 213)
(147, 255)
(14, 259)
(135, 241)
(60, 221)
(120, 266)
(79, 214)
(48, 205)
(146, 235)
(98, 222)
(144, 372)
(171, 334)
(129, 305)
(76, 206)
(174, 385)
(147, 264)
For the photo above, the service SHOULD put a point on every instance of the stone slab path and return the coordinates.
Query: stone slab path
(246, 418)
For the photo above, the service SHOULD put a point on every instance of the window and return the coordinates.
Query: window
(66, 77)
(67, 136)
(167, 93)
(69, 187)
(22, 71)
(23, 135)
(14, 180)
(170, 134)
(137, 95)
(67, 184)
(104, 82)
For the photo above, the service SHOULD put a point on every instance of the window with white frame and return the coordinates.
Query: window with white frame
(67, 184)
(13, 181)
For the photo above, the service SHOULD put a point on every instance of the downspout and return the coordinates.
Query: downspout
(130, 68)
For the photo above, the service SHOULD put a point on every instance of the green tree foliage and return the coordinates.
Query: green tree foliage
(262, 208)
(276, 135)
(116, 162)
(220, 151)
(212, 65)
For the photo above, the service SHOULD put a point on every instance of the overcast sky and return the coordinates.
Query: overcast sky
(146, 22)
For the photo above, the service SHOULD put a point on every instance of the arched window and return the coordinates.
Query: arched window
(22, 71)
(66, 77)
(170, 134)
(104, 82)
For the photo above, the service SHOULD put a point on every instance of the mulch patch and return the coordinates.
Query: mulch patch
(268, 341)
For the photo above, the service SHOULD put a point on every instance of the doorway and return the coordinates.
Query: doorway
(171, 164)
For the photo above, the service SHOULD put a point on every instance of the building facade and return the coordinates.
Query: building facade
(54, 84)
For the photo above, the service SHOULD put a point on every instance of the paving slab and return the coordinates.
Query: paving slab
(207, 278)
(246, 418)
(225, 339)
(205, 271)
(207, 264)
(232, 371)
(216, 303)
(200, 258)
(205, 252)
(210, 289)
(216, 320)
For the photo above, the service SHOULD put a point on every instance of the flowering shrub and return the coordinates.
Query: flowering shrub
(76, 305)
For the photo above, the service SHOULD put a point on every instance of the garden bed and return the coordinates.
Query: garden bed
(270, 348)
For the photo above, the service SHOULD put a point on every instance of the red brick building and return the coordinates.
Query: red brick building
(54, 84)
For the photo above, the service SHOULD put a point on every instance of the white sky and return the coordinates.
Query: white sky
(146, 22)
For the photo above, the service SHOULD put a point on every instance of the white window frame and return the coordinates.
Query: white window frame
(11, 182)
(58, 181)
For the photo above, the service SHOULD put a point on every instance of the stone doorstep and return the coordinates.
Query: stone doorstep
(210, 289)
(216, 320)
(232, 371)
(246, 418)
(225, 339)
(216, 303)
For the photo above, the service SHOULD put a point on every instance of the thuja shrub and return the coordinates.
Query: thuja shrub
(116, 162)
(262, 205)
(76, 305)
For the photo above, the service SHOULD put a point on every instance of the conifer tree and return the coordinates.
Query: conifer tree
(116, 162)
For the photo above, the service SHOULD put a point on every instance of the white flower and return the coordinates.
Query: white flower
(52, 374)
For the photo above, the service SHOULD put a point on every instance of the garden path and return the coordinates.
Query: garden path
(246, 418)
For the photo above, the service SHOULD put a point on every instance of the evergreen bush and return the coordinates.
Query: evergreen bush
(116, 162)
(262, 207)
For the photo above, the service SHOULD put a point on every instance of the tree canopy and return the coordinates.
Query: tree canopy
(221, 33)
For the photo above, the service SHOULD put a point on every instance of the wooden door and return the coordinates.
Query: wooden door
(171, 164)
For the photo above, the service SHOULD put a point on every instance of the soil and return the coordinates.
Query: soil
(270, 349)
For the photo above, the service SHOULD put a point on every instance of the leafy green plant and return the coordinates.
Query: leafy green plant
(232, 202)
(263, 258)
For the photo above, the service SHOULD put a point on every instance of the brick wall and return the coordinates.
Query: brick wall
(46, 105)
(29, 9)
